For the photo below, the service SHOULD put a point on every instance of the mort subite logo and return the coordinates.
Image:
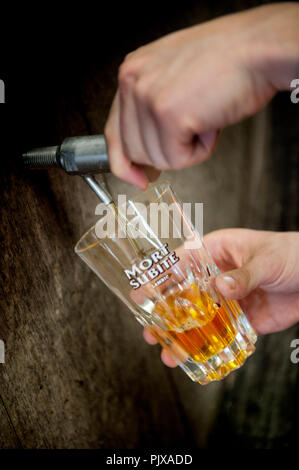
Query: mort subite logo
(151, 268)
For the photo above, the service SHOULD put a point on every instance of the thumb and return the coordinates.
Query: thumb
(238, 283)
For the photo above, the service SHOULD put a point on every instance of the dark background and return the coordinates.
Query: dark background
(77, 372)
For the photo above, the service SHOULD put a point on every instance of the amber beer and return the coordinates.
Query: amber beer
(201, 327)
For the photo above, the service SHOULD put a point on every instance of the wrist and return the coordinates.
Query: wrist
(274, 49)
(287, 249)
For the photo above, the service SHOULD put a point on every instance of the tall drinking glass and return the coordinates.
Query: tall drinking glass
(154, 260)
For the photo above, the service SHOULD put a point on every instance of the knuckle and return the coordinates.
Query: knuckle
(142, 90)
(124, 73)
(128, 68)
(162, 106)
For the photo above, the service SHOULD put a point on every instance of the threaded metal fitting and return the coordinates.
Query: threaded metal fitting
(45, 157)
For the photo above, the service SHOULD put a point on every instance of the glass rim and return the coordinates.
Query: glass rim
(135, 198)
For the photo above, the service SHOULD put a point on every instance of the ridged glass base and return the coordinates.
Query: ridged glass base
(230, 358)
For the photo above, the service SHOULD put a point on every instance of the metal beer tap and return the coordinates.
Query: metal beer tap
(84, 156)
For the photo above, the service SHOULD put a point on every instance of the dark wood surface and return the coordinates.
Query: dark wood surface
(77, 371)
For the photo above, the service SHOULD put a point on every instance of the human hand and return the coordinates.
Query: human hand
(176, 93)
(261, 270)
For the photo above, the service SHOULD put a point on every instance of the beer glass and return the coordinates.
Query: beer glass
(154, 260)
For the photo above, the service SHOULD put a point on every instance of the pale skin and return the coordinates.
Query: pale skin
(174, 96)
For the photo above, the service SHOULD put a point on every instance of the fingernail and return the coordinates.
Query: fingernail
(230, 280)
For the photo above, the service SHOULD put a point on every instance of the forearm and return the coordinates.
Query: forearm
(273, 50)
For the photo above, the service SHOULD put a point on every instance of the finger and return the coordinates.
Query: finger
(130, 125)
(168, 359)
(148, 337)
(239, 283)
(247, 266)
(184, 147)
(149, 133)
(208, 141)
(119, 163)
(184, 140)
(229, 247)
